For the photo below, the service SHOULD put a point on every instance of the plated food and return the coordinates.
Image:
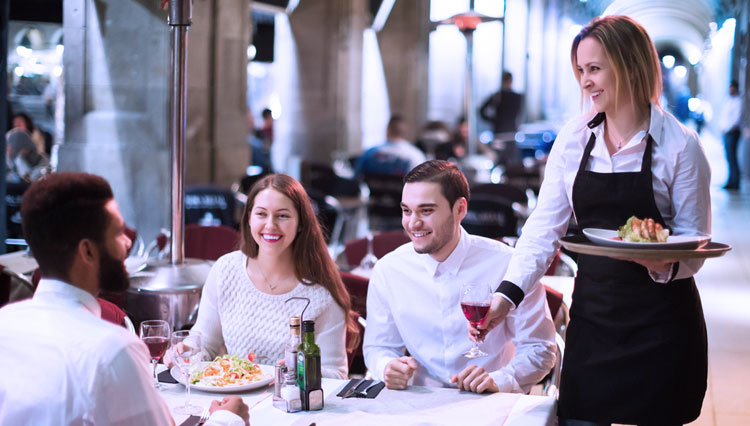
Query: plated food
(646, 230)
(227, 373)
(227, 370)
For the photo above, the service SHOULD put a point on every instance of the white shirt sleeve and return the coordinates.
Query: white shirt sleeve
(224, 418)
(209, 322)
(330, 330)
(141, 404)
(690, 197)
(382, 342)
(548, 222)
(531, 329)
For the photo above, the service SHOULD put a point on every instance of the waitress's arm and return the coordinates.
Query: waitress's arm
(691, 201)
(548, 222)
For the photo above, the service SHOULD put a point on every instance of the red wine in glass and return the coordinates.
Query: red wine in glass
(156, 346)
(475, 312)
(155, 334)
(475, 303)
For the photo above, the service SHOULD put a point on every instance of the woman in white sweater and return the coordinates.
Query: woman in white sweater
(282, 254)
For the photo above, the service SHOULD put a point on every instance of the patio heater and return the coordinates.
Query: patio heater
(467, 23)
(170, 289)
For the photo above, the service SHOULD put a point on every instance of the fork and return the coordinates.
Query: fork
(204, 417)
(364, 391)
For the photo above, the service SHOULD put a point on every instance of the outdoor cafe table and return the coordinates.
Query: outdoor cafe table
(415, 406)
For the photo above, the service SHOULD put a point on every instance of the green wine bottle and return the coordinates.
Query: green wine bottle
(309, 376)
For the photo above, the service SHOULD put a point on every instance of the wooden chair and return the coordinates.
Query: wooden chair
(551, 383)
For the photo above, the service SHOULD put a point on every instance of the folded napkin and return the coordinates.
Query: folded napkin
(371, 393)
(191, 421)
(165, 377)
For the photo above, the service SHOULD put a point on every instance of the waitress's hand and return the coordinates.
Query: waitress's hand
(659, 265)
(499, 309)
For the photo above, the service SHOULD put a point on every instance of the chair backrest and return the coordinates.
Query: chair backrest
(210, 242)
(248, 181)
(510, 193)
(382, 244)
(357, 287)
(323, 178)
(212, 203)
(330, 214)
(490, 217)
(385, 196)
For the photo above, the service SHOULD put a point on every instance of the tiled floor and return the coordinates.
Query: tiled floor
(724, 285)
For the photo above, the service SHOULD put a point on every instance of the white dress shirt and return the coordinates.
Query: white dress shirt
(65, 366)
(731, 114)
(681, 179)
(413, 302)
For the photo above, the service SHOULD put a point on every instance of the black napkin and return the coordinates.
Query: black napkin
(371, 393)
(165, 377)
(191, 421)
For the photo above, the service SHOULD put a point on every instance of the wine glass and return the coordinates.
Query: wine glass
(155, 334)
(369, 260)
(186, 353)
(475, 303)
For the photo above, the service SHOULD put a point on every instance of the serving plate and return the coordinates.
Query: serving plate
(266, 369)
(606, 237)
(581, 244)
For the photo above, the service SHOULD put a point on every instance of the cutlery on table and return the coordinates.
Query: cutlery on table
(364, 391)
(353, 388)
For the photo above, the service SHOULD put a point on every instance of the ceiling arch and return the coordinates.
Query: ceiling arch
(681, 23)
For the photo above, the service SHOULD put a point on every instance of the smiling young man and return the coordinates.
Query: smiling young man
(66, 366)
(413, 301)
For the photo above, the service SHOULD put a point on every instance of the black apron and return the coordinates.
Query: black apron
(636, 350)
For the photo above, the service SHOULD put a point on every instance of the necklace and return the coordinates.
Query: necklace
(268, 282)
(619, 144)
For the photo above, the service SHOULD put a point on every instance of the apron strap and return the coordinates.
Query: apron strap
(587, 153)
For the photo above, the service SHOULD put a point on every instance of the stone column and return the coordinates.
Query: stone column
(116, 66)
(217, 150)
(320, 92)
(404, 49)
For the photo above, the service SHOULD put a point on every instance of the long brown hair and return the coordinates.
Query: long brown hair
(632, 53)
(312, 264)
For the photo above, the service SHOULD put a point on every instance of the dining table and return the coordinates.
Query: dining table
(416, 405)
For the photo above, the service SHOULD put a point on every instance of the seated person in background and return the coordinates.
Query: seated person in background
(22, 159)
(282, 254)
(66, 366)
(395, 157)
(414, 293)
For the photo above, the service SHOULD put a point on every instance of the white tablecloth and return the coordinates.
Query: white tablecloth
(414, 406)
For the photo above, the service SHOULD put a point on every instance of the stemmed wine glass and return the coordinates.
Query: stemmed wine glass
(475, 302)
(155, 334)
(186, 353)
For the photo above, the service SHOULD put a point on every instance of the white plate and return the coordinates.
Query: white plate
(268, 372)
(604, 237)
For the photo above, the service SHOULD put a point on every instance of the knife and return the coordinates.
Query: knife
(354, 386)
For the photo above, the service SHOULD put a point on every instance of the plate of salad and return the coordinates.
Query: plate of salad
(227, 373)
(644, 234)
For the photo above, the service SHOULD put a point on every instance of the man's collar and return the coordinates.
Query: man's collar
(49, 288)
(453, 262)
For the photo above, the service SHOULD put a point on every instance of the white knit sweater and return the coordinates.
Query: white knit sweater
(236, 317)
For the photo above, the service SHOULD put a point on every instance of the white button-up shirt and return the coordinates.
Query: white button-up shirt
(63, 365)
(681, 179)
(413, 302)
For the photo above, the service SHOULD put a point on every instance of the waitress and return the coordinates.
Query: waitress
(636, 342)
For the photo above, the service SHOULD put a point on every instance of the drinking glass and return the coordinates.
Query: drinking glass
(186, 353)
(155, 334)
(475, 303)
